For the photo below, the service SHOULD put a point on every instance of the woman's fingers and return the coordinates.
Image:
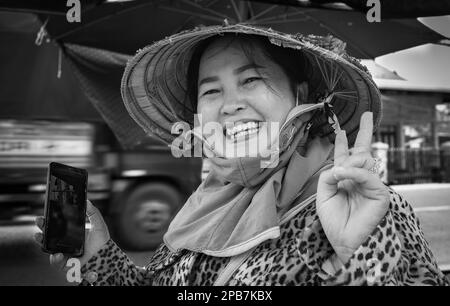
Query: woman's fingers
(364, 138)
(40, 222)
(329, 179)
(361, 176)
(58, 260)
(95, 217)
(340, 148)
(361, 160)
(327, 186)
(39, 238)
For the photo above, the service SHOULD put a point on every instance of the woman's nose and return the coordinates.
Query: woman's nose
(232, 105)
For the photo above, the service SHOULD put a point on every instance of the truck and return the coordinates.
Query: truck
(138, 191)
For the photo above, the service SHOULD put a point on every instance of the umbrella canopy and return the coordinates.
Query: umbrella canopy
(389, 8)
(379, 72)
(139, 23)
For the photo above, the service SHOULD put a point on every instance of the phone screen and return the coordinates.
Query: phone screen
(66, 210)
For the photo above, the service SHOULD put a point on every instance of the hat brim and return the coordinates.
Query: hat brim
(154, 84)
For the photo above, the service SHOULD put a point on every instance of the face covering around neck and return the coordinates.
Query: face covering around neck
(237, 206)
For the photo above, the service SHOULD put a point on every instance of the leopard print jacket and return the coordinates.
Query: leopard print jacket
(396, 253)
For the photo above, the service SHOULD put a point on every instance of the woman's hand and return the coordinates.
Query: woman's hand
(96, 237)
(351, 200)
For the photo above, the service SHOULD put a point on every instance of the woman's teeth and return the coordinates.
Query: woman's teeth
(242, 130)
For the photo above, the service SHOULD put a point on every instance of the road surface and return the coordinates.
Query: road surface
(431, 202)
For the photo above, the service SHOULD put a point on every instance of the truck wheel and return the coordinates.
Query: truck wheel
(144, 216)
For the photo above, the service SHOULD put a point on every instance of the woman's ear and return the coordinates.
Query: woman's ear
(302, 92)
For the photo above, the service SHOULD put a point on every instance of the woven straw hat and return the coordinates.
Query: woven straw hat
(154, 85)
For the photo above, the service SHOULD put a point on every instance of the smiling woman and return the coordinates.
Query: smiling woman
(236, 81)
(318, 214)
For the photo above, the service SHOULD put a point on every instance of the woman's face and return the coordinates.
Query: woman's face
(238, 94)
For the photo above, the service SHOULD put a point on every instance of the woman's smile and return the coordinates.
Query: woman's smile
(242, 130)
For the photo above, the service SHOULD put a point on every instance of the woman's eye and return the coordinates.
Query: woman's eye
(210, 92)
(251, 80)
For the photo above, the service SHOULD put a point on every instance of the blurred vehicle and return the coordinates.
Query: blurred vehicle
(138, 190)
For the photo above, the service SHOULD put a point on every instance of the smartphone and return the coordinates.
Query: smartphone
(65, 210)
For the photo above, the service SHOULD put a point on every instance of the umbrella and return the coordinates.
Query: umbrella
(379, 72)
(126, 27)
(389, 8)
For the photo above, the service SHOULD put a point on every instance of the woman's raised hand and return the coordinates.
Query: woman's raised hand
(351, 200)
(96, 237)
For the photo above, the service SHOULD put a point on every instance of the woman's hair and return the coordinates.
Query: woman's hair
(292, 63)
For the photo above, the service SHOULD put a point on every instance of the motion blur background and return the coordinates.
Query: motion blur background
(60, 101)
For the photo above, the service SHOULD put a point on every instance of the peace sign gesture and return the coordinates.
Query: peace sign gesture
(351, 200)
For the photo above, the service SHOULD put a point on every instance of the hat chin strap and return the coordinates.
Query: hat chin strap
(299, 110)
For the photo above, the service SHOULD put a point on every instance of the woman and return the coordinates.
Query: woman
(315, 212)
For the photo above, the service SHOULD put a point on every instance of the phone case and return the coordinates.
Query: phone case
(45, 246)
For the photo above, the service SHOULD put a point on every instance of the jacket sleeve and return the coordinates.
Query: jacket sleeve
(396, 253)
(112, 267)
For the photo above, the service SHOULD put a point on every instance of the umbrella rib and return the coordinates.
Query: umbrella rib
(183, 25)
(262, 13)
(345, 38)
(178, 29)
(280, 16)
(250, 8)
(282, 21)
(236, 11)
(191, 13)
(204, 8)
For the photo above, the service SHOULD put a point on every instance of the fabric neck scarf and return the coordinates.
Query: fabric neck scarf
(239, 205)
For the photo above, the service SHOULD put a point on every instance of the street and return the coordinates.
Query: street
(431, 203)
(23, 263)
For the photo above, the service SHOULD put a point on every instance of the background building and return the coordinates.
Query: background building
(416, 126)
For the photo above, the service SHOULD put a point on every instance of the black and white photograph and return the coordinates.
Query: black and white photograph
(195, 144)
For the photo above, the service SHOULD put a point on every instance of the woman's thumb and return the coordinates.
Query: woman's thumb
(95, 217)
